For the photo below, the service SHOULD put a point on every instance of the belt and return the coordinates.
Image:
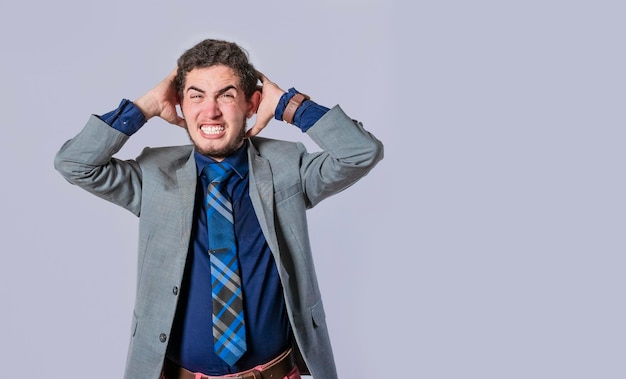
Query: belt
(277, 368)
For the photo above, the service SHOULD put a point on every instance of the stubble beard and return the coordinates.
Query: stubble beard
(226, 150)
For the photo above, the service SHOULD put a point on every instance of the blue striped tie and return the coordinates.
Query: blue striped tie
(229, 334)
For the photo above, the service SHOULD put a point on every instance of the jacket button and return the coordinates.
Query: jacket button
(175, 290)
(162, 337)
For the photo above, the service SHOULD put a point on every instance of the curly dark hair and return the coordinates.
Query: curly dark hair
(211, 52)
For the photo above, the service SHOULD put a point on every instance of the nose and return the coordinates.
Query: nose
(211, 109)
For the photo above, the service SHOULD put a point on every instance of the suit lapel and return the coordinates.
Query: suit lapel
(262, 197)
(187, 176)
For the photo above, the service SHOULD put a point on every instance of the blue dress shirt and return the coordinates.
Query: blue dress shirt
(267, 325)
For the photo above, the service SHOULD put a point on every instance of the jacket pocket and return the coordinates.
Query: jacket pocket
(286, 193)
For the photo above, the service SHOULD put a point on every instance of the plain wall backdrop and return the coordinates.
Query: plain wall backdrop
(490, 239)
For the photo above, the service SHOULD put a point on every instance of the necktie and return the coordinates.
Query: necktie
(229, 335)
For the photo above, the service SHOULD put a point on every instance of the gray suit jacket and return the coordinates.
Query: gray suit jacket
(159, 187)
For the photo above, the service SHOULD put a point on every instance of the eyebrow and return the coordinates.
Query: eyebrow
(225, 89)
(195, 89)
(219, 92)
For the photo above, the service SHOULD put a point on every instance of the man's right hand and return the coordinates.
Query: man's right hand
(161, 101)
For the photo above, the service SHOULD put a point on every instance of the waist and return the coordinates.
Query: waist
(278, 367)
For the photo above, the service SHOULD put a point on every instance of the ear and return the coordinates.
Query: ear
(253, 104)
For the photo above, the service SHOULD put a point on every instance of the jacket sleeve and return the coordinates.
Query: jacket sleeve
(348, 153)
(87, 161)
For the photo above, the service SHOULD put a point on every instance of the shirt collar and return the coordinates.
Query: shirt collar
(237, 160)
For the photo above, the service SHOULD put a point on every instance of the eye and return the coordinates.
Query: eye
(226, 97)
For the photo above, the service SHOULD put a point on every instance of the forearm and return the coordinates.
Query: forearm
(87, 161)
(349, 153)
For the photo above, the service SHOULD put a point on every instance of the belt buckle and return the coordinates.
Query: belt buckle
(253, 374)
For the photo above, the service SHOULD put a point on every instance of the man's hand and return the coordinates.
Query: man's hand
(270, 95)
(161, 101)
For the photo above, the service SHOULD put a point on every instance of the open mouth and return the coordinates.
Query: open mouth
(212, 129)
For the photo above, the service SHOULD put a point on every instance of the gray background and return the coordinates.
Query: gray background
(497, 214)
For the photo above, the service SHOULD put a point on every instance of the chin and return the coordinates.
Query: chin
(219, 153)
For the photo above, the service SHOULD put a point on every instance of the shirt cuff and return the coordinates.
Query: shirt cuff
(306, 116)
(127, 118)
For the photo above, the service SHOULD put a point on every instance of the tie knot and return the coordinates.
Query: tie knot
(217, 172)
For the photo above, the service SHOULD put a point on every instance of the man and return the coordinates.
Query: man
(202, 234)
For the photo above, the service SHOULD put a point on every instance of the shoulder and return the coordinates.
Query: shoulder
(270, 148)
(164, 157)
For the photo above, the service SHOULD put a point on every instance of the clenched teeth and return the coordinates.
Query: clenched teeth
(216, 129)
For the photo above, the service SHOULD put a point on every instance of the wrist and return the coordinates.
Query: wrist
(148, 107)
(283, 103)
(292, 106)
(127, 118)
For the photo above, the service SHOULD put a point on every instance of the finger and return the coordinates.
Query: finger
(176, 120)
(253, 131)
(261, 77)
(259, 125)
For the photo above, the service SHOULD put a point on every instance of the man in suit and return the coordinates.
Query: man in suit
(278, 327)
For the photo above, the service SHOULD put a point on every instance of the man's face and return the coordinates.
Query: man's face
(215, 109)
